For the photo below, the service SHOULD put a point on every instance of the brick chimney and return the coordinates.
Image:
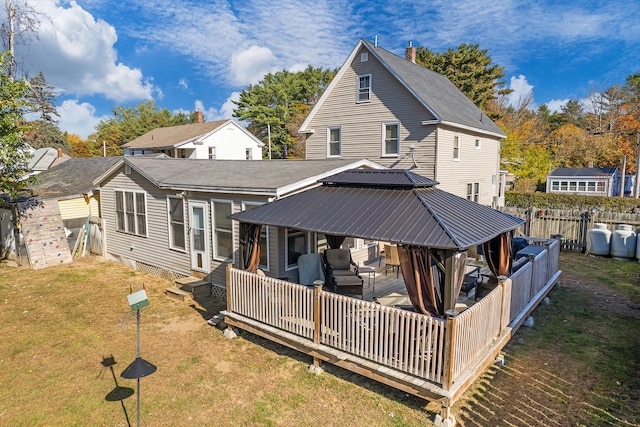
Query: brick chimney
(59, 152)
(199, 117)
(410, 52)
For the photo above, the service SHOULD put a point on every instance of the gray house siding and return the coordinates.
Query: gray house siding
(152, 249)
(476, 165)
(361, 123)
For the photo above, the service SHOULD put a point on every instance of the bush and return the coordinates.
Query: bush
(571, 201)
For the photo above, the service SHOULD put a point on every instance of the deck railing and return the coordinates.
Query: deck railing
(405, 341)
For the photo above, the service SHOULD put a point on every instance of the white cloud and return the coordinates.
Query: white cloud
(183, 84)
(212, 114)
(522, 91)
(555, 105)
(78, 117)
(76, 53)
(248, 66)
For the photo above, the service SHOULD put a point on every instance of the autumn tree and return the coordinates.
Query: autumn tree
(470, 68)
(14, 153)
(128, 123)
(81, 147)
(279, 103)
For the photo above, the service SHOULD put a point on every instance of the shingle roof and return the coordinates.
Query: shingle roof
(582, 172)
(422, 215)
(72, 178)
(254, 176)
(436, 91)
(172, 136)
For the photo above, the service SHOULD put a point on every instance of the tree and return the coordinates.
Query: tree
(280, 102)
(81, 147)
(128, 123)
(43, 97)
(22, 22)
(470, 69)
(14, 153)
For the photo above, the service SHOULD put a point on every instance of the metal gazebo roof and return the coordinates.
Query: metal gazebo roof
(388, 205)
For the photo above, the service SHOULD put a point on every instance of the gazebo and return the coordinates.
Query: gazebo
(433, 352)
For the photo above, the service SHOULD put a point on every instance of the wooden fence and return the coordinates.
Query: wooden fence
(571, 226)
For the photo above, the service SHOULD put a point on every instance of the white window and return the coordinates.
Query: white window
(573, 185)
(591, 186)
(131, 212)
(601, 187)
(478, 143)
(582, 186)
(247, 154)
(456, 147)
(295, 245)
(473, 191)
(222, 229)
(212, 153)
(364, 88)
(555, 185)
(391, 141)
(334, 143)
(175, 207)
(364, 56)
(264, 237)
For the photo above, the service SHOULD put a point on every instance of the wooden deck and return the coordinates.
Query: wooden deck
(436, 359)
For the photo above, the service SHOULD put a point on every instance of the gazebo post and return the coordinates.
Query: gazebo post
(449, 281)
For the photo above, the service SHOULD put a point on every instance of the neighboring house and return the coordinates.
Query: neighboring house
(401, 115)
(171, 216)
(71, 184)
(222, 140)
(43, 159)
(584, 181)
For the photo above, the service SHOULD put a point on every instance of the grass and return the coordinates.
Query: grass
(59, 324)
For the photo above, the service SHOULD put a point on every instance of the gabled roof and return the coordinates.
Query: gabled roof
(175, 136)
(72, 178)
(434, 91)
(582, 172)
(266, 177)
(419, 215)
(45, 158)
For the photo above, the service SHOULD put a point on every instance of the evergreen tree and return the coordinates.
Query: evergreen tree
(469, 68)
(280, 102)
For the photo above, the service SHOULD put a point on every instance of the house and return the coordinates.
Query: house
(66, 197)
(584, 181)
(436, 349)
(43, 159)
(71, 184)
(171, 216)
(399, 114)
(223, 140)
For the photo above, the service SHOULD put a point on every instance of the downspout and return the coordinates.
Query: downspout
(435, 156)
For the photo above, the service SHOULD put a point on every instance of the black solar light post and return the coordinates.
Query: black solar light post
(139, 368)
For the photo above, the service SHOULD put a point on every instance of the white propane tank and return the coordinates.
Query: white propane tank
(623, 242)
(600, 240)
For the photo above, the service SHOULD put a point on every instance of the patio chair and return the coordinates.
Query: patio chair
(391, 259)
(343, 272)
(310, 269)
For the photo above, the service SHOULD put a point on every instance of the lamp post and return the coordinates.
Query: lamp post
(139, 368)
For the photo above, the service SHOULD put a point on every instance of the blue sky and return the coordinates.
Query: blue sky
(188, 55)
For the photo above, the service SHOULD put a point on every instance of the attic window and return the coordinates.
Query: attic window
(364, 56)
(364, 88)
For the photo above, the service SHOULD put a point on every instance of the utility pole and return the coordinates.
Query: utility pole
(269, 134)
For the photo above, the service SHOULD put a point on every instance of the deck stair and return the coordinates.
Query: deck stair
(188, 288)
